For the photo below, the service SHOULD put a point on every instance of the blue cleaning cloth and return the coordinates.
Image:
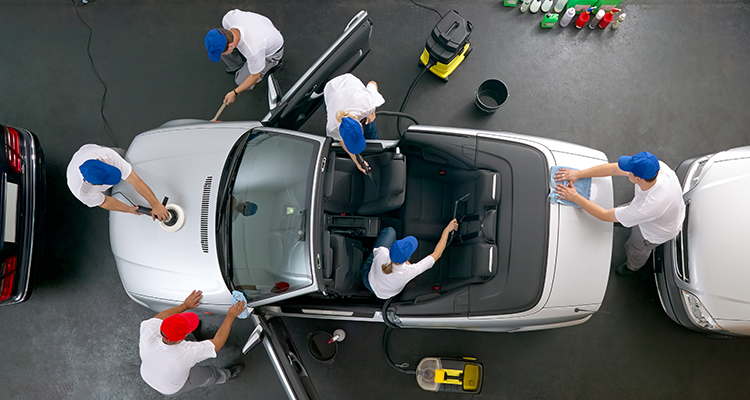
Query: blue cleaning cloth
(237, 296)
(583, 186)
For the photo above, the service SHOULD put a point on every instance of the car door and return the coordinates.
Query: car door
(274, 337)
(292, 109)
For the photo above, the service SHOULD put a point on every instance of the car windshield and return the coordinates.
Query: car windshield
(268, 200)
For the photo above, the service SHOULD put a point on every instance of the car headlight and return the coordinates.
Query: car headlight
(695, 173)
(698, 313)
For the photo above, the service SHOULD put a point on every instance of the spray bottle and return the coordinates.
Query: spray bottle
(549, 21)
(598, 17)
(560, 5)
(608, 18)
(617, 23)
(535, 4)
(567, 17)
(525, 5)
(546, 5)
(584, 17)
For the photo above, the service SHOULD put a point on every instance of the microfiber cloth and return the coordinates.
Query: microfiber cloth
(583, 186)
(237, 296)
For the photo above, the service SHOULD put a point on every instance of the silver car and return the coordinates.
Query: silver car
(702, 275)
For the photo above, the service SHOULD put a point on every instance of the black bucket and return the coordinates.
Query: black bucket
(319, 348)
(490, 95)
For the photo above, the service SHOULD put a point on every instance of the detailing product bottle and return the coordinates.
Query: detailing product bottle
(607, 5)
(546, 5)
(510, 3)
(617, 23)
(608, 18)
(598, 17)
(525, 5)
(560, 5)
(550, 19)
(567, 17)
(584, 17)
(535, 4)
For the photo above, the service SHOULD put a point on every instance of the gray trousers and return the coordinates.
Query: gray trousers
(638, 249)
(201, 376)
(236, 61)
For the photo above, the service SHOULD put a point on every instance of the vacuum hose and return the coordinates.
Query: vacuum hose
(391, 326)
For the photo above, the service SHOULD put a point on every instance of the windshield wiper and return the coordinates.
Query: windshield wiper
(302, 225)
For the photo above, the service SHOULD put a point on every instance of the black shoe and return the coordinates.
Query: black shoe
(235, 370)
(623, 270)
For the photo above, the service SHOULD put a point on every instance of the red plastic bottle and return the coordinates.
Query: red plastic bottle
(584, 18)
(608, 18)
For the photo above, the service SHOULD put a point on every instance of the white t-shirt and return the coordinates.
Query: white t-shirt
(347, 93)
(258, 37)
(658, 211)
(387, 286)
(88, 194)
(166, 367)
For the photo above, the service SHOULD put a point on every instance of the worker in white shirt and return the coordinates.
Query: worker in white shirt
(94, 169)
(250, 46)
(350, 110)
(391, 258)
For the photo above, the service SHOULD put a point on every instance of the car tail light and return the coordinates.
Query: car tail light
(7, 276)
(13, 149)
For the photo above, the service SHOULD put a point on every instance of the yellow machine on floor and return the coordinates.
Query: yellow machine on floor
(448, 44)
(450, 375)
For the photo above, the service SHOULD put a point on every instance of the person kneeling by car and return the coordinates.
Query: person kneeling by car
(392, 257)
(168, 361)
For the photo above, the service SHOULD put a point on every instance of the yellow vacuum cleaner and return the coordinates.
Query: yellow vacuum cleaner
(448, 44)
(450, 375)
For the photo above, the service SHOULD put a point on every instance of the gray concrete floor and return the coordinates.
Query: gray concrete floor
(673, 80)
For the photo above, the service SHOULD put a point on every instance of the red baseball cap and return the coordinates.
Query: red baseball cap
(176, 327)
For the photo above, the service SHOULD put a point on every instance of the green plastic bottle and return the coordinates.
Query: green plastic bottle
(510, 3)
(607, 5)
(550, 19)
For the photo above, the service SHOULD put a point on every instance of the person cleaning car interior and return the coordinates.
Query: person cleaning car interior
(391, 257)
(350, 109)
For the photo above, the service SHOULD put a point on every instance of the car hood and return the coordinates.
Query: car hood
(583, 244)
(184, 164)
(718, 238)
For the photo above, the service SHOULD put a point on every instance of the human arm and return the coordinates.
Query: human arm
(371, 117)
(354, 158)
(247, 84)
(611, 169)
(220, 338)
(570, 193)
(438, 252)
(157, 209)
(113, 204)
(192, 301)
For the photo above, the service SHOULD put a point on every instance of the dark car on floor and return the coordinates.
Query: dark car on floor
(22, 207)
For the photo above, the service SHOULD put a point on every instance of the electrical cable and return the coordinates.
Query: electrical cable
(126, 198)
(107, 128)
(429, 8)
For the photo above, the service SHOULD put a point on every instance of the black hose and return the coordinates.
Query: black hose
(398, 367)
(429, 64)
(400, 115)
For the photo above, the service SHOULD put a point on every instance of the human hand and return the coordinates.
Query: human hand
(370, 118)
(374, 83)
(229, 98)
(564, 174)
(132, 210)
(568, 192)
(159, 212)
(452, 226)
(236, 309)
(193, 299)
(364, 168)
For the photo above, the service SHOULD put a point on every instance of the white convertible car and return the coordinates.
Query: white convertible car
(517, 263)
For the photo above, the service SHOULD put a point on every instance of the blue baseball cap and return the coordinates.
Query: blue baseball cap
(216, 42)
(98, 172)
(401, 250)
(352, 135)
(643, 165)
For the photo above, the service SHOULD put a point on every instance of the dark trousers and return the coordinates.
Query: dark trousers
(385, 238)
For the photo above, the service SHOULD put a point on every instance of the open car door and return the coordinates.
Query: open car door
(273, 335)
(292, 109)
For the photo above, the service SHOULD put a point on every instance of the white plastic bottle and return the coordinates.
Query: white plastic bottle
(617, 23)
(525, 5)
(595, 21)
(567, 17)
(560, 5)
(535, 4)
(546, 5)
